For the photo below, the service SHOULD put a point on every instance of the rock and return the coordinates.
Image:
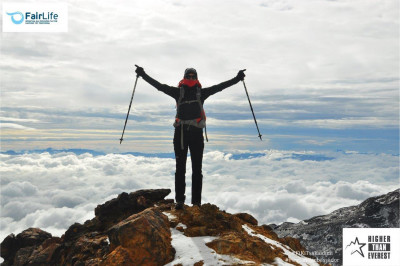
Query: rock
(32, 237)
(9, 247)
(143, 239)
(207, 220)
(37, 255)
(26, 241)
(247, 218)
(22, 256)
(88, 247)
(119, 256)
(245, 247)
(199, 263)
(232, 239)
(74, 232)
(115, 210)
(293, 243)
(88, 244)
(43, 254)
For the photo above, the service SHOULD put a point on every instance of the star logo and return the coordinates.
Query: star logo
(356, 246)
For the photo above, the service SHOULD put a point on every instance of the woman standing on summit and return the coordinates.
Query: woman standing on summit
(189, 123)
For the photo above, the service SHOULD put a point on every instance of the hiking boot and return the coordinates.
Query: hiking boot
(179, 206)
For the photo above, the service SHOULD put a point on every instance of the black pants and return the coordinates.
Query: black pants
(194, 141)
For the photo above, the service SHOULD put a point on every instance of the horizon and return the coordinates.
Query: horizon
(95, 152)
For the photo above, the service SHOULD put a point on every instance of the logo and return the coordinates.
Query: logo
(13, 18)
(35, 17)
(356, 246)
(371, 246)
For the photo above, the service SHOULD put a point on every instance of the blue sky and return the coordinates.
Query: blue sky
(322, 75)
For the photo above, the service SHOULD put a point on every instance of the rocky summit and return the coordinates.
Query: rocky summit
(322, 235)
(143, 228)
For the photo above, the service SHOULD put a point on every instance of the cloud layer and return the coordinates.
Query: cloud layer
(54, 191)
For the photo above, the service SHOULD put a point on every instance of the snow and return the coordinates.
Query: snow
(170, 216)
(280, 262)
(182, 225)
(288, 252)
(190, 250)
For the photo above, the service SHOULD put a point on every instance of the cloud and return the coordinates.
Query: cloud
(310, 64)
(18, 210)
(14, 126)
(16, 189)
(52, 191)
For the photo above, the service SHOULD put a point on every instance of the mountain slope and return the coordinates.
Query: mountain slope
(142, 228)
(322, 235)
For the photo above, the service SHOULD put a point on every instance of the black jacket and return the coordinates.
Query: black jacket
(190, 94)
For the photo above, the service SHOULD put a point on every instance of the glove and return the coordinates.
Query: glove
(241, 74)
(139, 71)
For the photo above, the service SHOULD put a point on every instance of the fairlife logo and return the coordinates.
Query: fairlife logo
(371, 246)
(35, 17)
(16, 14)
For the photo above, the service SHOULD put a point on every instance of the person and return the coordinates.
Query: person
(189, 123)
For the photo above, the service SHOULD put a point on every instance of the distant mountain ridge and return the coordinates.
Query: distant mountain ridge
(234, 156)
(83, 151)
(324, 233)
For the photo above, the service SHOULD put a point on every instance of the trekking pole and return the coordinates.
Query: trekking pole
(251, 107)
(130, 104)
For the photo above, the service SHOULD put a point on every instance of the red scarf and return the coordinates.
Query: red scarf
(189, 82)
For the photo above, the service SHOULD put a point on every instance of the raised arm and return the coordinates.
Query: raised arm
(219, 87)
(169, 90)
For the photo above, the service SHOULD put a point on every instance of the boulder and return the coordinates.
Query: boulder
(85, 250)
(141, 239)
(247, 218)
(245, 247)
(207, 221)
(89, 244)
(115, 210)
(25, 241)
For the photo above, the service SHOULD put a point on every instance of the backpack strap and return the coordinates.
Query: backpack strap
(203, 115)
(181, 95)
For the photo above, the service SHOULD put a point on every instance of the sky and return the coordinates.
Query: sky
(323, 78)
(322, 75)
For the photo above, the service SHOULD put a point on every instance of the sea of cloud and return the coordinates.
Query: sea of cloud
(53, 191)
